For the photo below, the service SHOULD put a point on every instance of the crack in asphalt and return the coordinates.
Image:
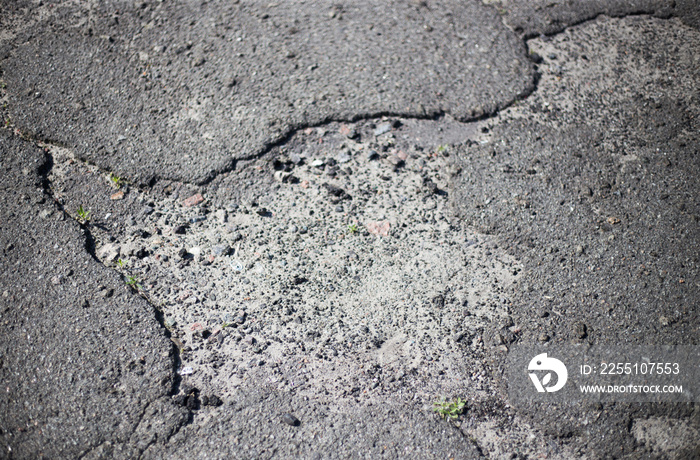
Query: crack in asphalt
(437, 116)
(89, 246)
(530, 89)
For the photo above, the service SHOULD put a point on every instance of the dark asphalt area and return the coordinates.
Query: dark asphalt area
(586, 171)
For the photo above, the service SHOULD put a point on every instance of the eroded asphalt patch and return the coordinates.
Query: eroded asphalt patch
(348, 281)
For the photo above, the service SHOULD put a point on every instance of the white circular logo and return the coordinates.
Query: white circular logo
(542, 363)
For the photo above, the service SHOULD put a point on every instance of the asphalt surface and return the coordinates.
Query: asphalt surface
(584, 167)
(201, 85)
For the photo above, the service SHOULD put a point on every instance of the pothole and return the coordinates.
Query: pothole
(347, 276)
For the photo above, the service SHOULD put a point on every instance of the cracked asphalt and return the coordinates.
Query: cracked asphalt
(564, 135)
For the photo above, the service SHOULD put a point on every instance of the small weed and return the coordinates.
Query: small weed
(133, 282)
(116, 180)
(224, 325)
(441, 149)
(121, 263)
(352, 228)
(83, 214)
(451, 409)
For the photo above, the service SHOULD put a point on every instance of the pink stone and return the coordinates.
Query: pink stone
(193, 200)
(379, 228)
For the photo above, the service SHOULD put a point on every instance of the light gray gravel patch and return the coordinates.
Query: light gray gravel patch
(280, 292)
(386, 279)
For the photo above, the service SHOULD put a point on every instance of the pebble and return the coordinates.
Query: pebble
(221, 215)
(505, 336)
(337, 192)
(343, 158)
(379, 228)
(439, 301)
(284, 177)
(348, 131)
(117, 195)
(430, 186)
(318, 163)
(297, 280)
(339, 208)
(382, 129)
(193, 200)
(212, 400)
(290, 420)
(215, 401)
(240, 319)
(220, 250)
